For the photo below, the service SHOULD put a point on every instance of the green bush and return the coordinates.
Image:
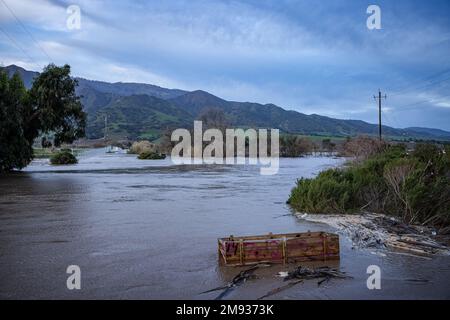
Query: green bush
(331, 191)
(414, 187)
(148, 155)
(64, 156)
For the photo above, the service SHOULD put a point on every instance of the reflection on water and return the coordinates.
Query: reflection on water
(148, 229)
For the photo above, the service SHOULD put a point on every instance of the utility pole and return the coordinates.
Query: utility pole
(106, 126)
(379, 111)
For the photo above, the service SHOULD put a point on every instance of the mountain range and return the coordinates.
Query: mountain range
(143, 111)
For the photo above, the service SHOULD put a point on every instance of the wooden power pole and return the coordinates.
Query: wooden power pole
(106, 127)
(379, 111)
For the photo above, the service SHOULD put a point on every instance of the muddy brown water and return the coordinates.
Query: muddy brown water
(148, 229)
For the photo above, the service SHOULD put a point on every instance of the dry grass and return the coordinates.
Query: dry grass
(139, 147)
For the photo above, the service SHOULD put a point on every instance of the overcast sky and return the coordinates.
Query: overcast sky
(311, 56)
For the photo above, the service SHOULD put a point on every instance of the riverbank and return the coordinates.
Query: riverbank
(411, 186)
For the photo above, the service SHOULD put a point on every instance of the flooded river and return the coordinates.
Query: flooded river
(148, 229)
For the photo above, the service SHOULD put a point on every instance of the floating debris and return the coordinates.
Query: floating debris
(377, 253)
(282, 274)
(239, 279)
(418, 280)
(303, 273)
(326, 273)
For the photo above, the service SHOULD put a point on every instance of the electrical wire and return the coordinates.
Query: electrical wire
(27, 31)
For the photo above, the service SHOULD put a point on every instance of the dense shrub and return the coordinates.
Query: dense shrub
(415, 187)
(64, 156)
(148, 155)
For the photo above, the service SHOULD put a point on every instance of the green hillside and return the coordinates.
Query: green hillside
(138, 110)
(136, 116)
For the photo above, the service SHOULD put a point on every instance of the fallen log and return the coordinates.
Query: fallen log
(410, 255)
(404, 247)
(422, 243)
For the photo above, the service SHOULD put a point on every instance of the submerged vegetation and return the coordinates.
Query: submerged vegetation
(294, 146)
(64, 156)
(414, 186)
(139, 147)
(148, 155)
(146, 150)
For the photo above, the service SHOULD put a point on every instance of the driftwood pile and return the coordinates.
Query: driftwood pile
(414, 239)
(379, 232)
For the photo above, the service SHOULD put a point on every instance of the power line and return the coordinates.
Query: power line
(17, 45)
(28, 32)
(397, 125)
(408, 106)
(391, 121)
(415, 83)
(418, 88)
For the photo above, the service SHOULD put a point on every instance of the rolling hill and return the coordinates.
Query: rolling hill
(137, 116)
(137, 110)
